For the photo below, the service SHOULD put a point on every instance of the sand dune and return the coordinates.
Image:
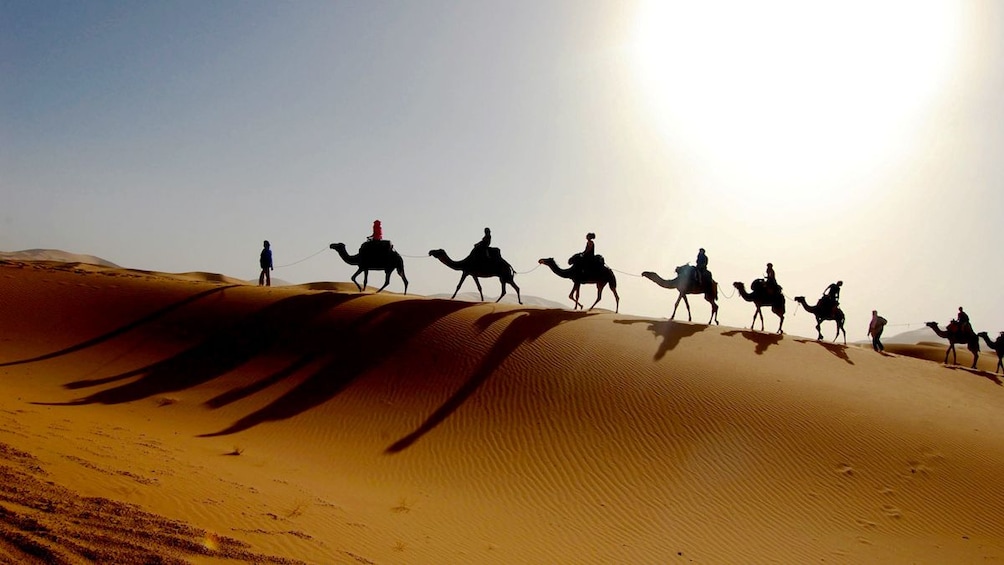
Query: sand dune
(195, 418)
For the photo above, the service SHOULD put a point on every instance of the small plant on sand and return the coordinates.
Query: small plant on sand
(400, 546)
(298, 509)
(237, 450)
(403, 506)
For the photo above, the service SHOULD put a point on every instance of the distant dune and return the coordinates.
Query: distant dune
(153, 417)
(54, 255)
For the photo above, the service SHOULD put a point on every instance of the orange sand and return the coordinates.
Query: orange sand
(195, 418)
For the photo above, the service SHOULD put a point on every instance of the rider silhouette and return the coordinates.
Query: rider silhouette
(963, 322)
(482, 246)
(771, 279)
(832, 294)
(589, 253)
(702, 266)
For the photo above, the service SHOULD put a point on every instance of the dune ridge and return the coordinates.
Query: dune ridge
(321, 425)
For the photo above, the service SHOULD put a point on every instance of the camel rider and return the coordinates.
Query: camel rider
(589, 253)
(832, 293)
(377, 232)
(702, 266)
(963, 322)
(482, 246)
(771, 279)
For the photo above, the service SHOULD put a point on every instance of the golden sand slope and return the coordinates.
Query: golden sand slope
(335, 427)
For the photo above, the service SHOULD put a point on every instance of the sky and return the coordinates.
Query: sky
(859, 141)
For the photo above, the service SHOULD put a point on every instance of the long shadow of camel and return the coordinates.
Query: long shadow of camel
(527, 326)
(762, 340)
(670, 331)
(282, 322)
(366, 343)
(834, 348)
(122, 329)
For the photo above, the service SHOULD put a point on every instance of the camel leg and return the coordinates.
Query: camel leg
(574, 295)
(513, 283)
(976, 355)
(780, 324)
(463, 277)
(840, 328)
(756, 313)
(819, 331)
(354, 277)
(481, 293)
(675, 306)
(400, 273)
(386, 280)
(599, 295)
(687, 304)
(714, 312)
(617, 300)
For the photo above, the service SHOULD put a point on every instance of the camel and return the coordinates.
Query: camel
(686, 283)
(997, 346)
(373, 256)
(477, 265)
(957, 335)
(823, 311)
(601, 276)
(762, 297)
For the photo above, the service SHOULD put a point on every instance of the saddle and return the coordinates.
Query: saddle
(376, 247)
(587, 267)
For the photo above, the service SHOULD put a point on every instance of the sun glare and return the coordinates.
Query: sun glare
(782, 92)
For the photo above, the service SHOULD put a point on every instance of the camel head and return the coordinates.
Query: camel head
(984, 334)
(739, 285)
(547, 261)
(933, 325)
(337, 246)
(437, 253)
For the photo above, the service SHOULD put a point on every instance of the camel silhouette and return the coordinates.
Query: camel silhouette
(997, 346)
(686, 283)
(970, 339)
(761, 296)
(477, 265)
(823, 311)
(599, 275)
(373, 256)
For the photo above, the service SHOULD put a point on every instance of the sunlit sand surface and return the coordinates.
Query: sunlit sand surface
(197, 418)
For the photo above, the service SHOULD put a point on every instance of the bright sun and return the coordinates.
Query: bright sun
(781, 92)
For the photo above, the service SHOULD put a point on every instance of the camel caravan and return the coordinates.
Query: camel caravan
(588, 268)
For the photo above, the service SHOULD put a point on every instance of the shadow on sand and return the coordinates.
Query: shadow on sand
(834, 348)
(123, 329)
(671, 332)
(526, 326)
(762, 340)
(281, 323)
(979, 372)
(329, 357)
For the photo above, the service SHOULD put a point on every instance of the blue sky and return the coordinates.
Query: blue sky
(859, 142)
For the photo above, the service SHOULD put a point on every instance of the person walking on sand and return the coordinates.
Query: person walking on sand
(875, 330)
(265, 261)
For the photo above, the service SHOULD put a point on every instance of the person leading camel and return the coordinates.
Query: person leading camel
(265, 261)
(875, 330)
